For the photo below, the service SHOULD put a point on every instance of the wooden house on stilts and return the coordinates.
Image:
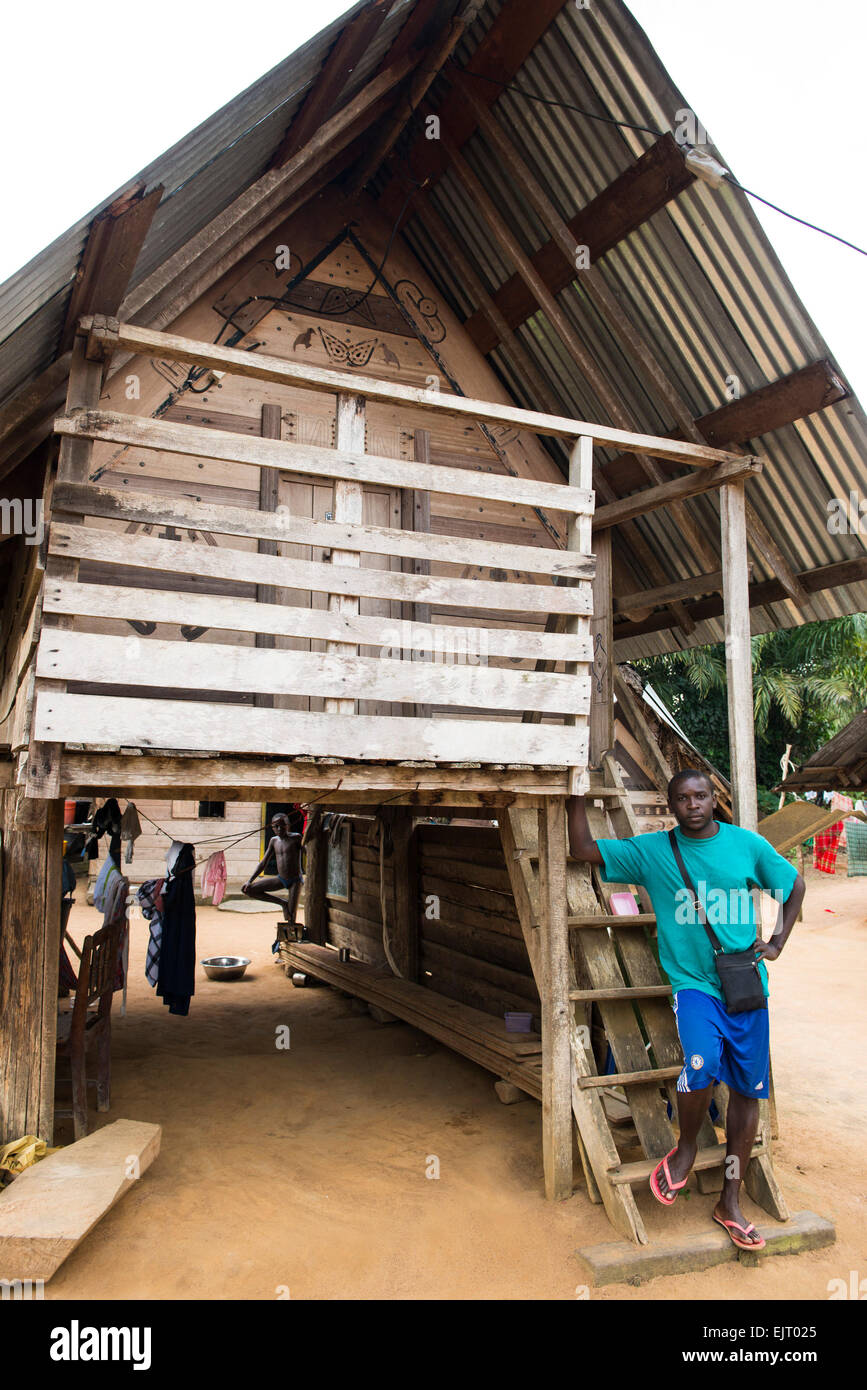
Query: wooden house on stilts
(373, 424)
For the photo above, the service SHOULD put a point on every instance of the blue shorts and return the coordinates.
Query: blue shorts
(719, 1046)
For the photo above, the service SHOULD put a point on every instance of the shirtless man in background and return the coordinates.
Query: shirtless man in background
(286, 848)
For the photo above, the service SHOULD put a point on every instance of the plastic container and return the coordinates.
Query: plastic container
(624, 905)
(518, 1023)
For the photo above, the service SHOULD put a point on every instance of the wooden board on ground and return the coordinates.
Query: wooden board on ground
(50, 1208)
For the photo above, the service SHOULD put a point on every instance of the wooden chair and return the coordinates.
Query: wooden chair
(90, 1018)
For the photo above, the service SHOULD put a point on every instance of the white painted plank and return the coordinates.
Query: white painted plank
(303, 530)
(219, 562)
(171, 438)
(90, 719)
(124, 661)
(291, 620)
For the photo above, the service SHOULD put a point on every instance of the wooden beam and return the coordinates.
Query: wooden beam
(509, 41)
(635, 195)
(739, 667)
(679, 588)
(835, 576)
(109, 258)
(269, 497)
(29, 399)
(351, 44)
(415, 516)
(774, 406)
(148, 604)
(427, 71)
(690, 485)
(248, 778)
(414, 543)
(760, 412)
(212, 666)
(322, 462)
(601, 672)
(261, 367)
(134, 722)
(219, 562)
(556, 1010)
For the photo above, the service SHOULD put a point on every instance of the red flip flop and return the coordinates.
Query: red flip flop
(745, 1230)
(673, 1187)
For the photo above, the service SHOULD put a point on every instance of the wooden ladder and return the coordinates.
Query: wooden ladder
(614, 976)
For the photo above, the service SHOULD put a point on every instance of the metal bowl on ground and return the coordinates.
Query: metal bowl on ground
(225, 967)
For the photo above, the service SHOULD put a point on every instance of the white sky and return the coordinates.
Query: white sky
(777, 84)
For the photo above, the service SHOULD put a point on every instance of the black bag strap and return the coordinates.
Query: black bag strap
(714, 939)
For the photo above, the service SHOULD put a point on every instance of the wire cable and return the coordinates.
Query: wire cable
(652, 130)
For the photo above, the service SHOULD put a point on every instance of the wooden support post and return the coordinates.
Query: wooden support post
(556, 1008)
(601, 674)
(269, 491)
(29, 960)
(315, 904)
(739, 670)
(348, 507)
(415, 516)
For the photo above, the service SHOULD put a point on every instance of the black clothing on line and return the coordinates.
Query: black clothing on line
(177, 966)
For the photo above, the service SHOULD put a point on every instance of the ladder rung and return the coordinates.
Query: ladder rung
(608, 919)
(621, 992)
(641, 1171)
(629, 1078)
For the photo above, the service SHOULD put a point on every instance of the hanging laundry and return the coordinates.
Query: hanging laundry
(107, 820)
(172, 853)
(130, 829)
(214, 877)
(107, 875)
(116, 914)
(150, 900)
(177, 967)
(825, 846)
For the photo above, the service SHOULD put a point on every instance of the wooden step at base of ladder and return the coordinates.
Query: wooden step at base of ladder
(588, 996)
(630, 1078)
(629, 1173)
(607, 919)
(621, 1261)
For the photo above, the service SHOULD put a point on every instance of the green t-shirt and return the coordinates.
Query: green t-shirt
(723, 868)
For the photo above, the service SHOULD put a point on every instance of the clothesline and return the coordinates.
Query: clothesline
(257, 829)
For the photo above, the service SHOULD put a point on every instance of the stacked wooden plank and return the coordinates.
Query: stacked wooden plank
(514, 1057)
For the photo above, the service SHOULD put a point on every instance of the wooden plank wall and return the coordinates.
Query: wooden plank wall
(471, 947)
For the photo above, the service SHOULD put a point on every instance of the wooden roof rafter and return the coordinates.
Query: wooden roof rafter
(351, 44)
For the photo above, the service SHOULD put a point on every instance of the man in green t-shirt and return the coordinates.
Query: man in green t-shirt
(724, 862)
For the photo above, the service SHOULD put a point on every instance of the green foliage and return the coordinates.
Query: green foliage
(808, 682)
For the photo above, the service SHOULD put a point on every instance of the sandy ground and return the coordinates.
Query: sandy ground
(302, 1172)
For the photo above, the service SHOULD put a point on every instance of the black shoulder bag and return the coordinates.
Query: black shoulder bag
(738, 971)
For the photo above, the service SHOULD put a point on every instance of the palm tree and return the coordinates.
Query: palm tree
(817, 673)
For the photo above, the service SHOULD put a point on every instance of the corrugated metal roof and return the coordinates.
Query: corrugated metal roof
(699, 278)
(700, 281)
(202, 174)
